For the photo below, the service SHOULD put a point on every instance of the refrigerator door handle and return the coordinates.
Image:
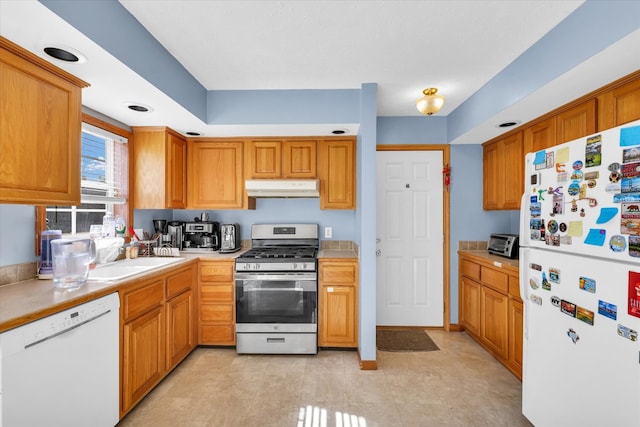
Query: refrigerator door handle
(522, 265)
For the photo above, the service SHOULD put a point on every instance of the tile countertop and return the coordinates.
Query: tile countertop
(23, 302)
(337, 254)
(499, 261)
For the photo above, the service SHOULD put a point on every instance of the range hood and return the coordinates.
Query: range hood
(283, 187)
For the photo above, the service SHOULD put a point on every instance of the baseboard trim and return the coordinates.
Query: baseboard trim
(367, 365)
(455, 327)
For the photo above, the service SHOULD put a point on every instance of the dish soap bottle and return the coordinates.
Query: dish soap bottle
(120, 226)
(108, 225)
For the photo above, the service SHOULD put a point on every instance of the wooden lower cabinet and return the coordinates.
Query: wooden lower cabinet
(493, 320)
(158, 330)
(217, 323)
(338, 303)
(470, 305)
(490, 307)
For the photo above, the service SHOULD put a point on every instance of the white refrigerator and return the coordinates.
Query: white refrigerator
(580, 281)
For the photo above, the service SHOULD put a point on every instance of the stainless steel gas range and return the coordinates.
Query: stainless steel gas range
(277, 291)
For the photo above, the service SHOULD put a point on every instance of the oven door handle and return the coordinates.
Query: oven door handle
(282, 277)
(274, 290)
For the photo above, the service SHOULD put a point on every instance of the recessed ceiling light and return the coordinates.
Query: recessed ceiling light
(138, 107)
(509, 124)
(339, 131)
(190, 133)
(63, 53)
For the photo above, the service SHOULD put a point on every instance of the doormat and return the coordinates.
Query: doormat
(404, 340)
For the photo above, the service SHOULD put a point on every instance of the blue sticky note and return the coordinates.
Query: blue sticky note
(541, 157)
(606, 214)
(596, 237)
(630, 136)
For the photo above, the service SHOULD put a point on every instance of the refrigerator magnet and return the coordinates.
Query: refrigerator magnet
(593, 153)
(545, 283)
(555, 301)
(554, 275)
(577, 175)
(574, 188)
(634, 294)
(584, 315)
(577, 165)
(618, 243)
(535, 299)
(634, 246)
(613, 167)
(552, 226)
(533, 282)
(607, 309)
(568, 308)
(596, 237)
(536, 267)
(562, 227)
(592, 175)
(627, 333)
(587, 284)
(573, 335)
(630, 155)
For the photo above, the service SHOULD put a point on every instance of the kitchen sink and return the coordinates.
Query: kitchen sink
(121, 269)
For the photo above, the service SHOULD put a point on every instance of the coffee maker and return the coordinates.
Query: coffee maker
(230, 238)
(201, 236)
(175, 231)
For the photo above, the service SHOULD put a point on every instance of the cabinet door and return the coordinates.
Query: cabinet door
(619, 106)
(176, 185)
(513, 167)
(299, 159)
(215, 175)
(491, 176)
(494, 321)
(337, 174)
(577, 122)
(470, 306)
(337, 322)
(181, 332)
(217, 303)
(263, 159)
(40, 128)
(515, 335)
(540, 136)
(143, 363)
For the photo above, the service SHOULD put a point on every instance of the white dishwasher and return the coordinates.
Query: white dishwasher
(63, 370)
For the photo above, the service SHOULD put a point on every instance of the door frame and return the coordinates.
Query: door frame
(446, 274)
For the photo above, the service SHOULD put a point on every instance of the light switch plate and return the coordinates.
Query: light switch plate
(328, 232)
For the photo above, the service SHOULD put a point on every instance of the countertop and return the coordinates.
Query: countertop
(23, 302)
(498, 261)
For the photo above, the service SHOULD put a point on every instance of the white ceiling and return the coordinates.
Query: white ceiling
(403, 46)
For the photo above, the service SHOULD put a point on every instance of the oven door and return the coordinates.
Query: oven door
(282, 298)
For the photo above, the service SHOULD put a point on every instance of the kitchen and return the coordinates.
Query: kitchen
(356, 225)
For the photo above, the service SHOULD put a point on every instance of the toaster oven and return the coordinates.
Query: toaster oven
(505, 245)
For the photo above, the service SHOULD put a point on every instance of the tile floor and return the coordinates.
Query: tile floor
(459, 385)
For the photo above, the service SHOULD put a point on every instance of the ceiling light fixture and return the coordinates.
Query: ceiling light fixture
(191, 133)
(63, 53)
(138, 107)
(508, 124)
(430, 103)
(338, 131)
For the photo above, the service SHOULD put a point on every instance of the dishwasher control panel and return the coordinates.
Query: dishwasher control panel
(59, 323)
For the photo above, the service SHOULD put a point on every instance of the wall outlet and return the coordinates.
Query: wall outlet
(328, 232)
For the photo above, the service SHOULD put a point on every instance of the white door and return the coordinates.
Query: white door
(409, 238)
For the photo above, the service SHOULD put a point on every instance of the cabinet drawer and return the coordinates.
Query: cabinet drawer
(495, 279)
(216, 272)
(470, 269)
(220, 313)
(216, 293)
(514, 287)
(223, 334)
(179, 282)
(140, 300)
(338, 273)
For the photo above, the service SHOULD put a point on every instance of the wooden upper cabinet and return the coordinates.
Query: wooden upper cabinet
(619, 105)
(503, 168)
(263, 159)
(540, 136)
(280, 159)
(40, 128)
(160, 168)
(576, 122)
(337, 173)
(216, 179)
(299, 159)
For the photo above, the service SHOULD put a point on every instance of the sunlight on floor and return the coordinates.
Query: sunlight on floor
(313, 416)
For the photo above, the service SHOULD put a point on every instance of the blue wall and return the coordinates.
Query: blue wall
(17, 234)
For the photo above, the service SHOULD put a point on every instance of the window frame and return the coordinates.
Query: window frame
(124, 210)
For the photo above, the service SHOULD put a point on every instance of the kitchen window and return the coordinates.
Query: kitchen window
(104, 181)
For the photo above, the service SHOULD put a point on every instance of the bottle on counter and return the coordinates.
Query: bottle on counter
(108, 225)
(120, 226)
